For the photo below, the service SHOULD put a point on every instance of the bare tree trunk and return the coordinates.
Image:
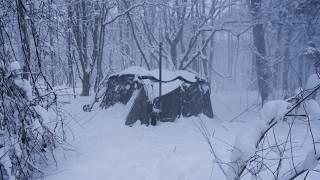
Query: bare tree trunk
(70, 77)
(85, 69)
(173, 46)
(173, 41)
(96, 43)
(80, 31)
(285, 75)
(230, 49)
(122, 36)
(4, 56)
(276, 77)
(99, 57)
(85, 84)
(52, 52)
(134, 35)
(210, 63)
(263, 70)
(24, 31)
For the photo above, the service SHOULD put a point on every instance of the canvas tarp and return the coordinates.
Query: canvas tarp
(181, 97)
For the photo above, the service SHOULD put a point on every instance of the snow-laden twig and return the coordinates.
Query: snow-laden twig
(208, 138)
(309, 163)
(276, 116)
(124, 13)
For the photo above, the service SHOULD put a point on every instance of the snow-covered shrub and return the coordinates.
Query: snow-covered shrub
(26, 139)
(312, 108)
(313, 81)
(275, 109)
(262, 151)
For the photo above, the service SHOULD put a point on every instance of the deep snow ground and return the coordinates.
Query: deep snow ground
(104, 148)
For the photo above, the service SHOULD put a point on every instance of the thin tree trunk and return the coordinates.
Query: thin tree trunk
(24, 31)
(86, 84)
(99, 58)
(285, 75)
(96, 44)
(276, 77)
(80, 32)
(70, 77)
(263, 69)
(4, 56)
(52, 53)
(84, 51)
(211, 58)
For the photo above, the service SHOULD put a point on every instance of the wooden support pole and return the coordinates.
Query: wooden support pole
(160, 76)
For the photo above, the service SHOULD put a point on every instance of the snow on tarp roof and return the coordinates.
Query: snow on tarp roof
(153, 88)
(166, 74)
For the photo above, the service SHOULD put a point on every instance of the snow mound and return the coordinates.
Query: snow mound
(313, 81)
(15, 66)
(310, 50)
(275, 109)
(309, 163)
(166, 74)
(26, 86)
(153, 88)
(313, 109)
(134, 70)
(169, 85)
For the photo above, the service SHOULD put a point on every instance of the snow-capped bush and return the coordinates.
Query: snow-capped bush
(312, 109)
(309, 163)
(255, 146)
(275, 109)
(15, 66)
(26, 142)
(313, 81)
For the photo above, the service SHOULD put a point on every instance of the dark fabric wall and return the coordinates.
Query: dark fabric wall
(141, 109)
(196, 100)
(189, 99)
(206, 105)
(171, 104)
(119, 89)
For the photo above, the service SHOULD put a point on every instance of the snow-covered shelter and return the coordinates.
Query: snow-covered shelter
(183, 94)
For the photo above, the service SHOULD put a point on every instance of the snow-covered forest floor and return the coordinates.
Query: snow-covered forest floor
(104, 148)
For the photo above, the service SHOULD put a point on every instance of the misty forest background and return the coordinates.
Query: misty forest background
(264, 46)
(232, 43)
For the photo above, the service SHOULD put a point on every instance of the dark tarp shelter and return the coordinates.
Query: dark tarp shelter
(184, 94)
